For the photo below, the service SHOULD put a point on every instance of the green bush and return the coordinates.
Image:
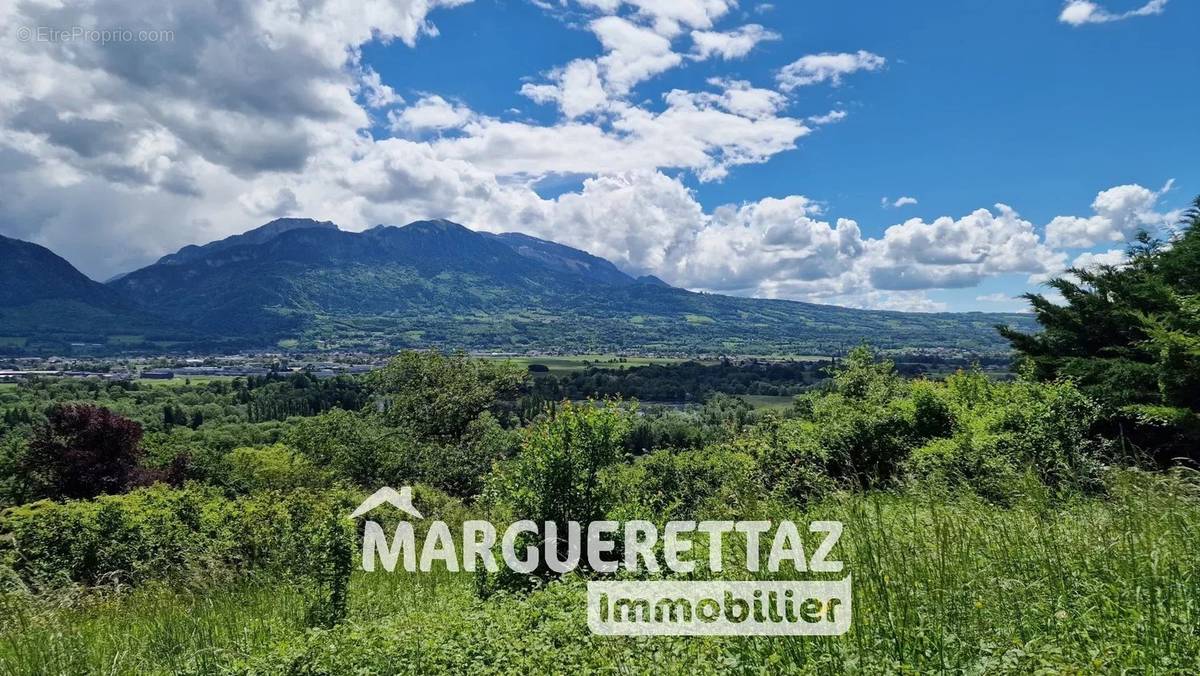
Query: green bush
(707, 483)
(276, 468)
(790, 460)
(1004, 431)
(160, 533)
(559, 474)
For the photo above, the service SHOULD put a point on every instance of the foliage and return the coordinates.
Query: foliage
(82, 451)
(713, 482)
(161, 533)
(274, 467)
(350, 445)
(941, 585)
(983, 529)
(556, 476)
(436, 396)
(1129, 334)
(684, 382)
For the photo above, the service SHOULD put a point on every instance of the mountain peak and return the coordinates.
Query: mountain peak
(280, 225)
(259, 235)
(652, 280)
(436, 226)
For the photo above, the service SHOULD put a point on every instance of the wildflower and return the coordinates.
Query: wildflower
(1060, 615)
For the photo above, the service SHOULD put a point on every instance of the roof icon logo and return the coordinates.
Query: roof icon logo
(401, 500)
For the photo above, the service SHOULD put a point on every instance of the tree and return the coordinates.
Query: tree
(82, 451)
(436, 396)
(270, 468)
(1121, 327)
(1129, 335)
(556, 474)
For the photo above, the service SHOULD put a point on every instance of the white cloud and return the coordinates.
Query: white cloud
(376, 93)
(997, 297)
(888, 203)
(828, 118)
(1080, 12)
(669, 17)
(732, 44)
(826, 67)
(706, 132)
(1112, 257)
(1119, 213)
(577, 89)
(431, 112)
(114, 157)
(634, 53)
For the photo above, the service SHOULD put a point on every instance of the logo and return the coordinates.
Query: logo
(771, 607)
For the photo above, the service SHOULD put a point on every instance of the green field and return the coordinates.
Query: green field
(179, 381)
(767, 401)
(567, 363)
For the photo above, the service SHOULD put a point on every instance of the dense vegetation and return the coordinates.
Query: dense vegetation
(1129, 335)
(992, 525)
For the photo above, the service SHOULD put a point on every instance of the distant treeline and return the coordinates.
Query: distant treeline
(684, 382)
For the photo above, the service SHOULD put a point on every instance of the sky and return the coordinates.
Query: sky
(916, 156)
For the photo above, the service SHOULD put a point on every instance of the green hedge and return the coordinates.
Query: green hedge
(160, 533)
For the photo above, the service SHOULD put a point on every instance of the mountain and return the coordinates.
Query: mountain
(259, 235)
(297, 282)
(565, 259)
(46, 305)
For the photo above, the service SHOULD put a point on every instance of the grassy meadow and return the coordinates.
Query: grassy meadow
(941, 584)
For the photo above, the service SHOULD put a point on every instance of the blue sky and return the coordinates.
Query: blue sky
(747, 148)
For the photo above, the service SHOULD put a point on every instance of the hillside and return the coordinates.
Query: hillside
(46, 305)
(309, 284)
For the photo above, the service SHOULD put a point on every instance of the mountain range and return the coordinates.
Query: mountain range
(301, 283)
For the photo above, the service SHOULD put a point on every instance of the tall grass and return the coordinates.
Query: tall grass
(941, 584)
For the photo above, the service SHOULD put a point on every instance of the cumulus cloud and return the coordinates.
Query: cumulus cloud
(732, 44)
(1080, 12)
(1112, 257)
(705, 132)
(430, 113)
(826, 67)
(888, 203)
(114, 156)
(634, 53)
(668, 17)
(1118, 213)
(828, 118)
(576, 88)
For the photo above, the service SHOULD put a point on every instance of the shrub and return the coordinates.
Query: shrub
(556, 474)
(82, 451)
(351, 446)
(160, 533)
(790, 460)
(271, 468)
(712, 482)
(1004, 430)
